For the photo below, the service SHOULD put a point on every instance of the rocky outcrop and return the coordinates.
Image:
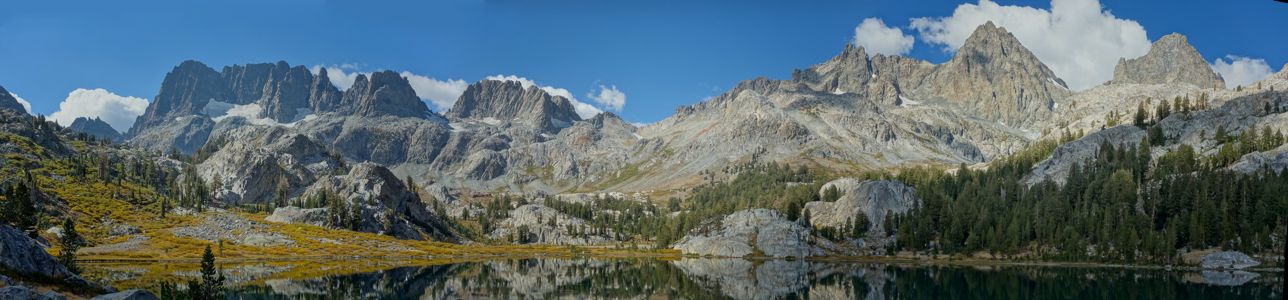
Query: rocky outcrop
(253, 163)
(21, 124)
(222, 226)
(8, 101)
(1227, 260)
(509, 101)
(1275, 160)
(1082, 152)
(755, 232)
(384, 93)
(875, 199)
(386, 204)
(22, 258)
(1170, 60)
(135, 294)
(95, 127)
(24, 293)
(545, 225)
(296, 215)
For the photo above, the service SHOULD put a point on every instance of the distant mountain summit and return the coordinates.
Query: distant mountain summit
(992, 75)
(1171, 59)
(193, 95)
(505, 100)
(95, 127)
(8, 101)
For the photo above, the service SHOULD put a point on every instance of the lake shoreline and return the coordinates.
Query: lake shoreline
(979, 262)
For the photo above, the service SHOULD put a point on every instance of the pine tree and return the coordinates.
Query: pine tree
(71, 241)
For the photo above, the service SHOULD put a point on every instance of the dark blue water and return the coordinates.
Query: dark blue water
(741, 279)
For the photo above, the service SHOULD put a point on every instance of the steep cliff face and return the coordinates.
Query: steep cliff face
(185, 92)
(995, 76)
(8, 101)
(384, 93)
(1171, 59)
(508, 101)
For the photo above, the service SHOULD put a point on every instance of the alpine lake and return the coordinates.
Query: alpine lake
(689, 278)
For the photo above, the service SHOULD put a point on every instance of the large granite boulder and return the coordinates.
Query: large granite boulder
(23, 259)
(546, 225)
(872, 198)
(755, 232)
(135, 294)
(1227, 260)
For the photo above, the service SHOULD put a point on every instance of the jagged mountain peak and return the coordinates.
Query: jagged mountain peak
(384, 93)
(509, 100)
(9, 101)
(95, 127)
(1170, 60)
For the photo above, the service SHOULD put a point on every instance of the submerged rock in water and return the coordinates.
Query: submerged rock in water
(755, 232)
(1228, 260)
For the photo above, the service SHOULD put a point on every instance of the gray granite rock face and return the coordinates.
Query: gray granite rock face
(874, 199)
(296, 215)
(546, 225)
(509, 101)
(1227, 260)
(755, 232)
(8, 101)
(387, 205)
(24, 293)
(1081, 152)
(384, 93)
(21, 256)
(1171, 59)
(95, 127)
(135, 294)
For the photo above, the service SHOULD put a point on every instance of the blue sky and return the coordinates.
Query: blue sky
(659, 54)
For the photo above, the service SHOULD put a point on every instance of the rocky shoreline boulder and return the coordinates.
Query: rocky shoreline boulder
(1228, 260)
(872, 198)
(755, 232)
(23, 259)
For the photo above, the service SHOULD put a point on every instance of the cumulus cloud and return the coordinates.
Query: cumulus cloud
(1241, 71)
(609, 97)
(1079, 40)
(875, 37)
(25, 105)
(441, 94)
(584, 110)
(118, 111)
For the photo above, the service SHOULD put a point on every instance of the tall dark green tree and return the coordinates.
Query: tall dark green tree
(71, 242)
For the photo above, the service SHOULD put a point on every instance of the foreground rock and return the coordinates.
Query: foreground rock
(23, 259)
(134, 294)
(1228, 260)
(873, 198)
(755, 232)
(24, 293)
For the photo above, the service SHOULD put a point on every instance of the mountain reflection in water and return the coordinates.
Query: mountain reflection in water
(701, 278)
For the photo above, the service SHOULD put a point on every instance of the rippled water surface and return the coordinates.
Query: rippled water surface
(693, 279)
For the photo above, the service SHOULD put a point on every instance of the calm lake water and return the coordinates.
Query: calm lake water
(644, 278)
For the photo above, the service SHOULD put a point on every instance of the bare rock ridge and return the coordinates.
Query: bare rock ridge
(992, 75)
(384, 93)
(509, 101)
(193, 93)
(95, 127)
(1171, 59)
(8, 101)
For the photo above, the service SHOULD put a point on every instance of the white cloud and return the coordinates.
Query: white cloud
(584, 110)
(441, 94)
(338, 75)
(875, 37)
(1079, 40)
(118, 111)
(25, 105)
(1241, 71)
(609, 97)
